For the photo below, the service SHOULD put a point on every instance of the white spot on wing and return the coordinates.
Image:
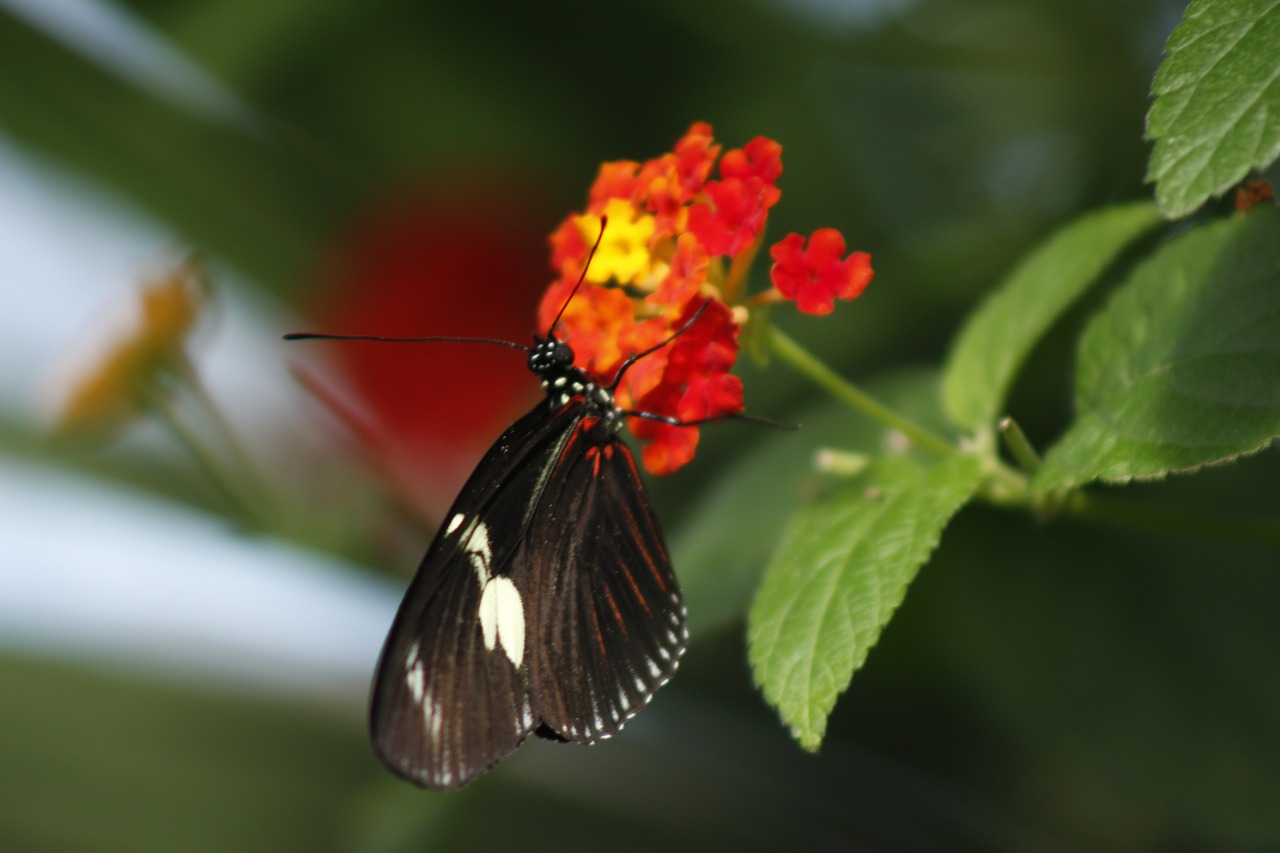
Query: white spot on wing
(432, 718)
(477, 545)
(416, 682)
(502, 618)
(455, 523)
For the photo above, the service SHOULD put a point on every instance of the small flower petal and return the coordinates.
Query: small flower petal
(567, 244)
(760, 158)
(734, 217)
(624, 249)
(816, 276)
(685, 276)
(614, 180)
(695, 153)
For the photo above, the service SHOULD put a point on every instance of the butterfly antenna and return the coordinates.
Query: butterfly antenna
(604, 220)
(316, 336)
(634, 357)
(714, 419)
(667, 419)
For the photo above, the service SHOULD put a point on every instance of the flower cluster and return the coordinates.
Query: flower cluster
(680, 240)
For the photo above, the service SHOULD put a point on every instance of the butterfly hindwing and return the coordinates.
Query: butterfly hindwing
(452, 692)
(608, 617)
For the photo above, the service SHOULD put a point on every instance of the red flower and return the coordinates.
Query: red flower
(695, 154)
(695, 384)
(760, 158)
(687, 274)
(815, 277)
(735, 216)
(567, 244)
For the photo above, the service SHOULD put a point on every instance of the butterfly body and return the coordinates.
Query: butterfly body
(546, 604)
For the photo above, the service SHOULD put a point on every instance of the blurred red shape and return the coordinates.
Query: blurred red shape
(465, 260)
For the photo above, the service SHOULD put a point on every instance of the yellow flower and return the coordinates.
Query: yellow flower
(624, 252)
(114, 390)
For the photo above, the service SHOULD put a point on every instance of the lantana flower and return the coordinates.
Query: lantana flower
(817, 275)
(682, 231)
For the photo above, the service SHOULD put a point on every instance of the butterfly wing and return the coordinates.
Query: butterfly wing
(452, 691)
(608, 616)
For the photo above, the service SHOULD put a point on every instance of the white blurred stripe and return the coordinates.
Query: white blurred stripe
(96, 572)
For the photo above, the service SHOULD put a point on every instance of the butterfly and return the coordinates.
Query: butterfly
(546, 604)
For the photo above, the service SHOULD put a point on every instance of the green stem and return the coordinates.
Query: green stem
(162, 405)
(1019, 445)
(250, 482)
(826, 378)
(1008, 487)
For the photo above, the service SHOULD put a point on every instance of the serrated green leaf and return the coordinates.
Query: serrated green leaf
(1182, 368)
(721, 544)
(1216, 113)
(841, 570)
(997, 339)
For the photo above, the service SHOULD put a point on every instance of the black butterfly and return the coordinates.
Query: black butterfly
(546, 604)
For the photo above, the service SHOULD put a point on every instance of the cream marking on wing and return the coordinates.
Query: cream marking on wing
(477, 545)
(415, 679)
(454, 523)
(432, 718)
(416, 682)
(502, 618)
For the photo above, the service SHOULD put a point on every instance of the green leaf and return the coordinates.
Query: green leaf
(1216, 113)
(842, 569)
(995, 342)
(720, 545)
(1182, 369)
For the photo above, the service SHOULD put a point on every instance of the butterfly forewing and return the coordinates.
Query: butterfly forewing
(452, 691)
(609, 617)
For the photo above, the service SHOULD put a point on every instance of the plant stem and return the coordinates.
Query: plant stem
(161, 402)
(1007, 487)
(826, 378)
(251, 483)
(1016, 440)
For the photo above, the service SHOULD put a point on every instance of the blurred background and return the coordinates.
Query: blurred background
(175, 677)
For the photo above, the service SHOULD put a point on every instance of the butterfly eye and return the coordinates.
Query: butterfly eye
(562, 354)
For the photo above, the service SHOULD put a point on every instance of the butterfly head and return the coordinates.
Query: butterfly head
(550, 356)
(551, 360)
